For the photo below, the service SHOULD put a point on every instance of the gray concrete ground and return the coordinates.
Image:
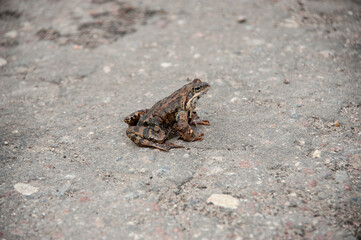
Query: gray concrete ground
(284, 143)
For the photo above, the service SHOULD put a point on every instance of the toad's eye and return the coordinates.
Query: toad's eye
(196, 89)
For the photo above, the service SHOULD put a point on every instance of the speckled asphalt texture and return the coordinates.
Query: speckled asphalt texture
(281, 159)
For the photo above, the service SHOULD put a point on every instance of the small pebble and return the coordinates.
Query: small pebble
(289, 23)
(326, 53)
(165, 64)
(286, 81)
(291, 204)
(316, 154)
(149, 94)
(181, 22)
(77, 47)
(25, 189)
(198, 35)
(6, 143)
(69, 176)
(218, 158)
(11, 34)
(292, 194)
(106, 69)
(241, 19)
(235, 100)
(214, 171)
(143, 170)
(3, 62)
(223, 200)
(27, 26)
(107, 100)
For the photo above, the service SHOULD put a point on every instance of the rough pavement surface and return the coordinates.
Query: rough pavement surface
(281, 159)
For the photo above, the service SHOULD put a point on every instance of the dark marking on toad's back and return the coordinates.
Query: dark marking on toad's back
(170, 116)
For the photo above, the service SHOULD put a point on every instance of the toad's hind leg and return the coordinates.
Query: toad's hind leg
(150, 137)
(133, 118)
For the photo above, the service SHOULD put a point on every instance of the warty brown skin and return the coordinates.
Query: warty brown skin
(168, 117)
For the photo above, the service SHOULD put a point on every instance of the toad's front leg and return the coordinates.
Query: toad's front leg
(184, 130)
(195, 120)
(150, 137)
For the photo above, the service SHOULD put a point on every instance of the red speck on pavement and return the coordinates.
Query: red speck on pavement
(84, 199)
